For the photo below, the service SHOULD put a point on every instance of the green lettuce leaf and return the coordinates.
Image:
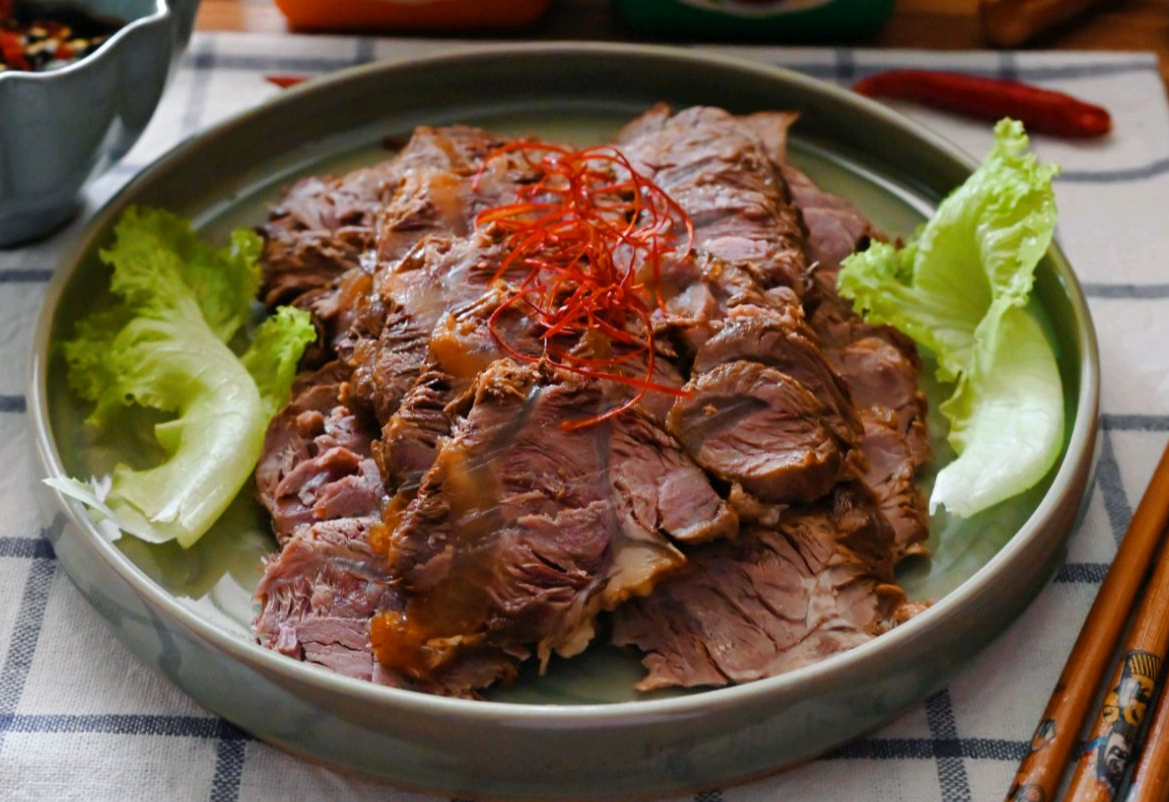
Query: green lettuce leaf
(274, 354)
(163, 346)
(960, 288)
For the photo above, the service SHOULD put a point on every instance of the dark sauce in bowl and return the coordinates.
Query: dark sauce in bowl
(38, 37)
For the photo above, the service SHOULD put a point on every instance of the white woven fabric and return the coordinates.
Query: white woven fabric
(80, 719)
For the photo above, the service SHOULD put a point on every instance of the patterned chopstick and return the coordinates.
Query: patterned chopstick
(1150, 779)
(1112, 745)
(1055, 737)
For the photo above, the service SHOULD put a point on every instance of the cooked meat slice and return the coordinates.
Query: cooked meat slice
(772, 129)
(716, 167)
(836, 228)
(879, 365)
(740, 301)
(409, 440)
(506, 536)
(771, 600)
(327, 236)
(522, 532)
(319, 229)
(883, 378)
(317, 479)
(656, 484)
(891, 473)
(433, 194)
(437, 275)
(316, 463)
(448, 263)
(758, 427)
(460, 346)
(318, 595)
(786, 342)
(750, 258)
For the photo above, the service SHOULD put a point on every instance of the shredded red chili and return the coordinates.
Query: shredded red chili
(592, 234)
(992, 99)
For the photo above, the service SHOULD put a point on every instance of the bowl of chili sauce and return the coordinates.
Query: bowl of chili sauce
(38, 37)
(79, 81)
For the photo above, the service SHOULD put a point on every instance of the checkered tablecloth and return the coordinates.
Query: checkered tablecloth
(80, 719)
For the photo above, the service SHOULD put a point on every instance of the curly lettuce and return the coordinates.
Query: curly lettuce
(163, 345)
(960, 288)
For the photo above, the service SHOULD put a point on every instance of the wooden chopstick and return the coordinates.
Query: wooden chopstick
(1113, 743)
(1007, 23)
(1150, 779)
(1039, 774)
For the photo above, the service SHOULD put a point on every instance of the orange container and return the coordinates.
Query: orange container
(350, 15)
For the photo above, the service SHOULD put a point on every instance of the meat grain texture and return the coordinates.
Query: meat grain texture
(437, 524)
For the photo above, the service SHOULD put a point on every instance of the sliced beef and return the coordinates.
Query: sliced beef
(755, 426)
(747, 241)
(415, 292)
(327, 236)
(324, 491)
(835, 227)
(439, 524)
(319, 593)
(657, 485)
(738, 300)
(316, 463)
(883, 380)
(460, 346)
(411, 437)
(787, 343)
(772, 600)
(881, 368)
(522, 532)
(879, 365)
(448, 262)
(444, 185)
(319, 229)
(718, 170)
(810, 579)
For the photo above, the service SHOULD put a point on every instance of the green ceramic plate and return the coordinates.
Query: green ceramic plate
(187, 613)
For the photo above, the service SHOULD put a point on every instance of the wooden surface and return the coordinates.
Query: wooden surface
(932, 24)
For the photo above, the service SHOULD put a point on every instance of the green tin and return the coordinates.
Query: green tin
(786, 20)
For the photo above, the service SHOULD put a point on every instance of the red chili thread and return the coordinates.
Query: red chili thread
(593, 234)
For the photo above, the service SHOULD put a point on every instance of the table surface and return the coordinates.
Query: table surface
(106, 729)
(929, 24)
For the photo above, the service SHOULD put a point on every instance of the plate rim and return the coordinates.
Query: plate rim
(1080, 445)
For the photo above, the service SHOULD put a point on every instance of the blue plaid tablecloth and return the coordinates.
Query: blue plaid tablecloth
(81, 719)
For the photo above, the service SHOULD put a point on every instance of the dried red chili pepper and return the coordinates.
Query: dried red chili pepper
(285, 81)
(992, 98)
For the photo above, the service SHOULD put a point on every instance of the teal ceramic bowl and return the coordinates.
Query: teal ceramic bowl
(60, 128)
(581, 731)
